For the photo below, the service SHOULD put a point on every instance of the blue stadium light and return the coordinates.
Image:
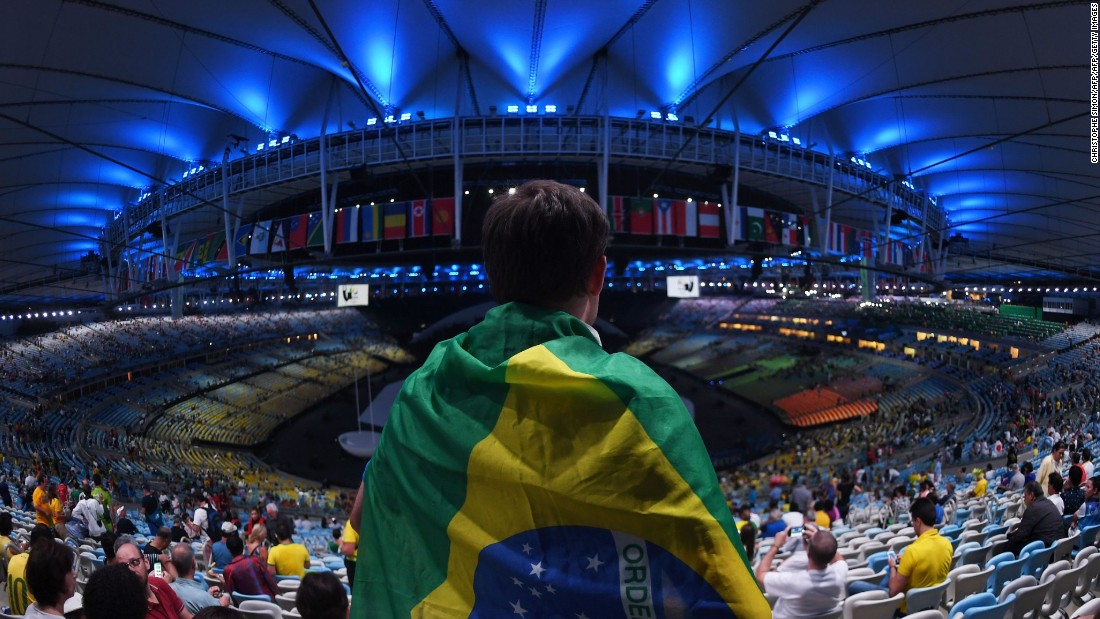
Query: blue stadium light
(406, 116)
(773, 135)
(513, 109)
(797, 142)
(286, 139)
(532, 109)
(273, 143)
(372, 121)
(655, 115)
(389, 119)
(551, 109)
(672, 117)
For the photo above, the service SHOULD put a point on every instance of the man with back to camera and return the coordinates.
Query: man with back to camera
(1042, 521)
(817, 587)
(523, 467)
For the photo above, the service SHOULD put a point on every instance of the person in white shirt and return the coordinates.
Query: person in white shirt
(201, 519)
(1086, 462)
(89, 513)
(816, 590)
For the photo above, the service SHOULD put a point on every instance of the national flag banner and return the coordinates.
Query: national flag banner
(804, 231)
(150, 268)
(443, 216)
(394, 220)
(525, 507)
(124, 276)
(370, 223)
(617, 214)
(296, 229)
(839, 235)
(315, 235)
(665, 216)
(347, 225)
(261, 238)
(740, 223)
(920, 262)
(278, 236)
(773, 226)
(243, 240)
(202, 250)
(688, 221)
(790, 234)
(754, 218)
(710, 220)
(866, 245)
(183, 256)
(641, 215)
(419, 219)
(214, 246)
(222, 255)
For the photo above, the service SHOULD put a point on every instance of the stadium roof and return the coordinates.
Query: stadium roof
(983, 104)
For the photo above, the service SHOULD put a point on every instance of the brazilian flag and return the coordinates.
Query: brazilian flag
(526, 472)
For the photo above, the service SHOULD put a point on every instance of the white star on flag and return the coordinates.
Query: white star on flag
(594, 563)
(551, 589)
(517, 582)
(517, 609)
(537, 569)
(535, 592)
(526, 548)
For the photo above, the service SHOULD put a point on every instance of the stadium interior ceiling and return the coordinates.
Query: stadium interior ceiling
(960, 129)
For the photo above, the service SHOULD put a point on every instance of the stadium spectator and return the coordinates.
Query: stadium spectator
(247, 575)
(50, 579)
(150, 509)
(99, 491)
(86, 519)
(287, 558)
(43, 513)
(530, 360)
(801, 497)
(257, 544)
(114, 592)
(816, 589)
(254, 518)
(156, 551)
(201, 519)
(123, 524)
(1054, 489)
(925, 562)
(19, 595)
(181, 577)
(1073, 495)
(163, 601)
(349, 547)
(1052, 463)
(1015, 479)
(219, 552)
(321, 596)
(1041, 521)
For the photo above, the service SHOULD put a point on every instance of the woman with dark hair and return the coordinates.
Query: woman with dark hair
(322, 596)
(50, 578)
(748, 540)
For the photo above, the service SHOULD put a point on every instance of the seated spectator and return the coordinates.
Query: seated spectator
(114, 592)
(1073, 495)
(1042, 521)
(256, 545)
(8, 547)
(178, 532)
(1029, 472)
(162, 600)
(821, 515)
(774, 524)
(287, 558)
(817, 589)
(181, 577)
(322, 596)
(218, 550)
(1015, 479)
(1055, 485)
(19, 595)
(123, 524)
(50, 578)
(247, 575)
(748, 540)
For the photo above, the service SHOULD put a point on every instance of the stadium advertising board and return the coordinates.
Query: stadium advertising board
(683, 286)
(352, 294)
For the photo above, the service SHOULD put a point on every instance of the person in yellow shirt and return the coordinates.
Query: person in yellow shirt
(349, 547)
(981, 487)
(19, 595)
(43, 514)
(287, 558)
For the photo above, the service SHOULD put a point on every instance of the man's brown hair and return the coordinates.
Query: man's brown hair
(542, 242)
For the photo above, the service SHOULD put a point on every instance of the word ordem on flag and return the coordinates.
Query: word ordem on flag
(524, 471)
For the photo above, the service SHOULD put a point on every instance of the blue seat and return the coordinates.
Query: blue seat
(241, 597)
(997, 610)
(1037, 560)
(1006, 568)
(980, 600)
(952, 530)
(878, 561)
